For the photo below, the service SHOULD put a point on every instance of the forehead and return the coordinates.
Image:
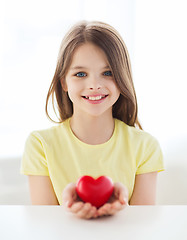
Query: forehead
(89, 54)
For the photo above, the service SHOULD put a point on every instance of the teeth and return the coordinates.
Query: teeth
(94, 98)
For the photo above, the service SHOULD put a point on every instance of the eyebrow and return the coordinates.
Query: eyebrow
(82, 67)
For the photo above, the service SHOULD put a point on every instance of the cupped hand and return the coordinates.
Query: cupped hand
(117, 201)
(75, 205)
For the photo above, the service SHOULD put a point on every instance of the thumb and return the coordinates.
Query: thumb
(68, 195)
(122, 193)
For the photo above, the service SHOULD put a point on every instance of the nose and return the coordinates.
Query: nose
(94, 83)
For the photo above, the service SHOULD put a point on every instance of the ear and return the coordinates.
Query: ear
(64, 85)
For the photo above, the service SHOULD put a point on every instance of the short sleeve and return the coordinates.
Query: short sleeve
(34, 158)
(151, 158)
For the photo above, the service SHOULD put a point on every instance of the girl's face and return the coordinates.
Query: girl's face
(89, 82)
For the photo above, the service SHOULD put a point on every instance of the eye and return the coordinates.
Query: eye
(80, 74)
(108, 73)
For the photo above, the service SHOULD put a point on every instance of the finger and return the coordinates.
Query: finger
(104, 209)
(83, 213)
(76, 207)
(115, 207)
(121, 193)
(92, 213)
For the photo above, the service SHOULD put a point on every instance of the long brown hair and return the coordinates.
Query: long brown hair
(108, 39)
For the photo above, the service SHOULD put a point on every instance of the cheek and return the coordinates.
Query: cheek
(114, 89)
(117, 91)
(73, 90)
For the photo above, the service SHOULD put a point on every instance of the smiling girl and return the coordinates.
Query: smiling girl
(98, 131)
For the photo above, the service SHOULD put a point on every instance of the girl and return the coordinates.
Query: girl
(98, 131)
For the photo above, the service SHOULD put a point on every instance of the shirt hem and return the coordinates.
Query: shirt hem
(149, 171)
(34, 173)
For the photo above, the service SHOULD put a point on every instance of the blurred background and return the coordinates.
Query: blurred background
(155, 33)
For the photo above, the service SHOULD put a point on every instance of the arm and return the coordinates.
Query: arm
(144, 189)
(41, 191)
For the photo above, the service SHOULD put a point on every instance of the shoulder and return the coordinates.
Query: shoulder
(144, 148)
(136, 136)
(48, 135)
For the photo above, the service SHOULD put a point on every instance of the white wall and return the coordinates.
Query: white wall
(160, 73)
(160, 79)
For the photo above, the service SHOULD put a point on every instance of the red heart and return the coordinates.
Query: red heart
(95, 191)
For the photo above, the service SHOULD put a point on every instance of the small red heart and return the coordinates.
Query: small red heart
(95, 191)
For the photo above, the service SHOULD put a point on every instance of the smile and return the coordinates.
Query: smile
(95, 99)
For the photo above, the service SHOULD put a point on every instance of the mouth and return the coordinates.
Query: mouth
(95, 98)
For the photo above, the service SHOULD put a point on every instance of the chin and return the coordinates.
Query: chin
(99, 114)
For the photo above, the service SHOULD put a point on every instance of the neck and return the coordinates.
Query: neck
(92, 130)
